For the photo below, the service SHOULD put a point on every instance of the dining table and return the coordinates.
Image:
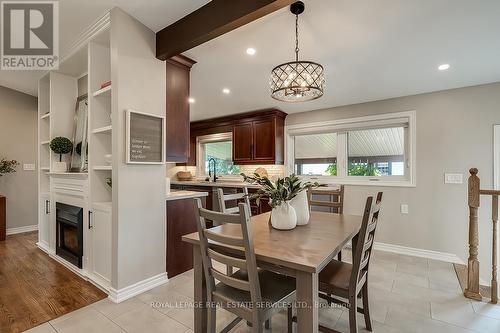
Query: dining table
(300, 253)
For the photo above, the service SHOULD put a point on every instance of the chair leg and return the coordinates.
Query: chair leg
(353, 323)
(212, 319)
(289, 319)
(267, 325)
(366, 307)
(339, 256)
(229, 270)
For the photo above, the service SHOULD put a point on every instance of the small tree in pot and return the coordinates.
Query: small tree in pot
(60, 145)
(7, 166)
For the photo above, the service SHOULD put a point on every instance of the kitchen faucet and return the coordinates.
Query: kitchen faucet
(215, 167)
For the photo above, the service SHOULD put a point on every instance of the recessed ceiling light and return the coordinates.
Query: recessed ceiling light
(251, 51)
(191, 100)
(443, 67)
(226, 91)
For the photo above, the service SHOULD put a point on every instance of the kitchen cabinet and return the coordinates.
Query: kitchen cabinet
(181, 220)
(177, 108)
(100, 240)
(243, 143)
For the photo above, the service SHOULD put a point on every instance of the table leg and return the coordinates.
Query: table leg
(307, 302)
(200, 293)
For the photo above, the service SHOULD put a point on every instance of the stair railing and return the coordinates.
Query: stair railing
(474, 194)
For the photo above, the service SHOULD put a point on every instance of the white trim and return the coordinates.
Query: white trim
(410, 251)
(20, 230)
(496, 156)
(123, 294)
(409, 117)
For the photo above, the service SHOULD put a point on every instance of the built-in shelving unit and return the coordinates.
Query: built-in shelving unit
(106, 92)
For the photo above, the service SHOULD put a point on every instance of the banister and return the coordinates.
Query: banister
(474, 193)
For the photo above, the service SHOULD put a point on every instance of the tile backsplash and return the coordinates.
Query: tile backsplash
(274, 171)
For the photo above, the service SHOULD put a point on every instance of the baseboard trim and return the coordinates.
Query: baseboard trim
(123, 294)
(410, 251)
(20, 230)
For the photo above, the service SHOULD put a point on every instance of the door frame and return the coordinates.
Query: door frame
(496, 156)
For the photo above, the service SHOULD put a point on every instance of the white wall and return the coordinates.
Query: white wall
(138, 81)
(18, 141)
(454, 133)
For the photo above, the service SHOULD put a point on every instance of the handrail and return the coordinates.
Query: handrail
(474, 193)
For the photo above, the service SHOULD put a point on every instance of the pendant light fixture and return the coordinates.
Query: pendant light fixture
(297, 81)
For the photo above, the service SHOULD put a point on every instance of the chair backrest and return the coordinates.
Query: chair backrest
(212, 243)
(236, 197)
(366, 237)
(335, 201)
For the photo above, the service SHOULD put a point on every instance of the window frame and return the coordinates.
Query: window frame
(200, 153)
(342, 127)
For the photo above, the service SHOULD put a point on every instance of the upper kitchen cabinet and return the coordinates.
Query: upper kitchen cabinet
(261, 140)
(177, 108)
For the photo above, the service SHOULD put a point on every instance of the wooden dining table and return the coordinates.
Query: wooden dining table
(301, 253)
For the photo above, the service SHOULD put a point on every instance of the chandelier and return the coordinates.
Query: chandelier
(297, 81)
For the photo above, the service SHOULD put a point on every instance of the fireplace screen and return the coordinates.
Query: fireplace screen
(70, 233)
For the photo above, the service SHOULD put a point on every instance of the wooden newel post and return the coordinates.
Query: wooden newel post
(472, 290)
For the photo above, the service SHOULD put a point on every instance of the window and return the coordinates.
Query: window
(316, 154)
(367, 150)
(218, 147)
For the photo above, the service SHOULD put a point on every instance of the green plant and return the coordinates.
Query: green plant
(109, 181)
(362, 169)
(7, 166)
(332, 169)
(61, 145)
(280, 191)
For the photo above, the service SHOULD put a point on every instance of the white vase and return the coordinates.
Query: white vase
(283, 217)
(59, 167)
(301, 207)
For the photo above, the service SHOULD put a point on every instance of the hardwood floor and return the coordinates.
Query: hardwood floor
(34, 288)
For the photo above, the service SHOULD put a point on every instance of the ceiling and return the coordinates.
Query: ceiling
(371, 50)
(76, 15)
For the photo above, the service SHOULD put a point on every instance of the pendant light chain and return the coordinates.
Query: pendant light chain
(296, 37)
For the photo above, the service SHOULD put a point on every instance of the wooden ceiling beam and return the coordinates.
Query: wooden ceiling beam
(210, 21)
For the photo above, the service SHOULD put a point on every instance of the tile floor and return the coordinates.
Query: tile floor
(407, 294)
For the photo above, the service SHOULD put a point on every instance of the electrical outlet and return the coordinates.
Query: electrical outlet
(404, 209)
(28, 167)
(453, 178)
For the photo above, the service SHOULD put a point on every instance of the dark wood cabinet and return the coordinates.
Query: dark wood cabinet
(264, 140)
(243, 136)
(177, 109)
(181, 220)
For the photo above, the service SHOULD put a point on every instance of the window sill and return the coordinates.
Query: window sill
(358, 182)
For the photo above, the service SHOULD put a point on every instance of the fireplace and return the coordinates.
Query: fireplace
(69, 242)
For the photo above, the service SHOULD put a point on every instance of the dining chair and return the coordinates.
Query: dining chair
(333, 204)
(250, 293)
(224, 198)
(341, 282)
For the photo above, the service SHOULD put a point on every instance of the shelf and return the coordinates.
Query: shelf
(102, 168)
(106, 91)
(45, 116)
(105, 129)
(45, 168)
(45, 142)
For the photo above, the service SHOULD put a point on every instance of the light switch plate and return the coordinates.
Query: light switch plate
(404, 209)
(453, 178)
(28, 167)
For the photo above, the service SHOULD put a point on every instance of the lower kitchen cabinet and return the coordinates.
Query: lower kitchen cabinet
(181, 220)
(100, 243)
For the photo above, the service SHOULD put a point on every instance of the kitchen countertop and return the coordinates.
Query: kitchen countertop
(178, 195)
(235, 184)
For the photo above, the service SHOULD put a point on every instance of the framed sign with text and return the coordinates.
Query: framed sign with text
(145, 138)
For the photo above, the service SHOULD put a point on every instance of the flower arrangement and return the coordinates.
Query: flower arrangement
(280, 191)
(7, 166)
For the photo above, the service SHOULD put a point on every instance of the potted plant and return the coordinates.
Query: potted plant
(7, 166)
(60, 145)
(284, 194)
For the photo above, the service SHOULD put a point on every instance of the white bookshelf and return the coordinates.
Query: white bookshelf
(105, 92)
(102, 168)
(102, 130)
